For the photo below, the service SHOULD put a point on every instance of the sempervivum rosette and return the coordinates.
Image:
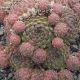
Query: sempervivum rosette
(73, 60)
(50, 75)
(72, 19)
(37, 74)
(38, 32)
(4, 60)
(65, 75)
(22, 74)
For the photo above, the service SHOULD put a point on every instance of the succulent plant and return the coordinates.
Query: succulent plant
(39, 56)
(76, 8)
(57, 8)
(73, 2)
(65, 75)
(50, 75)
(73, 60)
(61, 29)
(18, 26)
(38, 32)
(22, 74)
(72, 20)
(53, 18)
(57, 42)
(38, 35)
(4, 60)
(26, 49)
(37, 74)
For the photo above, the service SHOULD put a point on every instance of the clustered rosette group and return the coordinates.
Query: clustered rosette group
(50, 37)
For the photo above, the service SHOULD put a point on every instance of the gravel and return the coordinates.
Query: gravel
(6, 74)
(2, 37)
(78, 76)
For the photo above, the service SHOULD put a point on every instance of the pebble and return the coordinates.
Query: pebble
(1, 31)
(2, 37)
(2, 74)
(7, 73)
(78, 76)
(74, 48)
(75, 75)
